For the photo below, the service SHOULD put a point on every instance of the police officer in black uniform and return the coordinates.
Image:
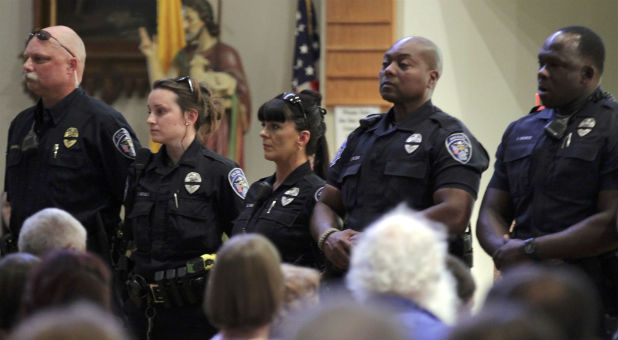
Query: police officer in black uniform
(415, 153)
(69, 150)
(556, 171)
(180, 201)
(280, 206)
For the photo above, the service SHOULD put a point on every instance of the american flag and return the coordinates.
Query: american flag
(306, 48)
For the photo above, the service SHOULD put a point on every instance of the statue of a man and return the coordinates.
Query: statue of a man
(214, 63)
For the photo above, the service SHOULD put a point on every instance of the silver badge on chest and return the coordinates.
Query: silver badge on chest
(413, 142)
(289, 196)
(192, 182)
(586, 126)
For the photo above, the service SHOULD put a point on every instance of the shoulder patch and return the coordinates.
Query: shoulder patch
(339, 152)
(459, 146)
(318, 193)
(124, 143)
(238, 182)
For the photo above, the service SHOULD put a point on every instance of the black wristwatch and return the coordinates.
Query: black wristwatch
(530, 248)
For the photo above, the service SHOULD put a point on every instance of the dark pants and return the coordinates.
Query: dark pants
(187, 322)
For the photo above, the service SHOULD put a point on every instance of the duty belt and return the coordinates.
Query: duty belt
(175, 287)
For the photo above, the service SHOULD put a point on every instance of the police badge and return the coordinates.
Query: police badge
(70, 137)
(192, 182)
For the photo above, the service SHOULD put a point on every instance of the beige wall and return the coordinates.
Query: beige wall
(490, 59)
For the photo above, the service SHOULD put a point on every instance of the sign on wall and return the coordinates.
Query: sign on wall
(346, 120)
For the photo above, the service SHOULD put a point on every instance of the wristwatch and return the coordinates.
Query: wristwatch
(530, 248)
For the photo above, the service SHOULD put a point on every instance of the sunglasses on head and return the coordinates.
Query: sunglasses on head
(44, 35)
(186, 78)
(295, 100)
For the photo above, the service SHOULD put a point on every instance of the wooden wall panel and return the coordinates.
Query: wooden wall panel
(354, 92)
(358, 32)
(359, 11)
(353, 36)
(353, 64)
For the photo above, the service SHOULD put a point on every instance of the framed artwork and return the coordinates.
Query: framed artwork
(109, 29)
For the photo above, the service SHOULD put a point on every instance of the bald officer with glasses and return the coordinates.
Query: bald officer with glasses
(70, 150)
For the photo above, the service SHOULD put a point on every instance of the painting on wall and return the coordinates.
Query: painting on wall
(114, 64)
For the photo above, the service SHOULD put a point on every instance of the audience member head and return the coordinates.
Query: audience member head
(410, 71)
(14, 271)
(179, 109)
(506, 321)
(464, 283)
(51, 229)
(301, 285)
(404, 254)
(65, 276)
(345, 319)
(54, 63)
(294, 123)
(564, 295)
(80, 320)
(245, 287)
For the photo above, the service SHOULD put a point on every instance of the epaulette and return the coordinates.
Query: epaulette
(536, 109)
(370, 120)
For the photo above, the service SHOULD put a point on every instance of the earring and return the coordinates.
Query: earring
(187, 123)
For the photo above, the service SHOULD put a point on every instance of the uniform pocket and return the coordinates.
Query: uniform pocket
(405, 169)
(139, 218)
(517, 161)
(67, 169)
(575, 172)
(192, 226)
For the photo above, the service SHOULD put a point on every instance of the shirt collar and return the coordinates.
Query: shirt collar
(409, 123)
(294, 176)
(162, 162)
(61, 108)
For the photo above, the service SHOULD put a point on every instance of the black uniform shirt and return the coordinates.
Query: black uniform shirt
(181, 211)
(284, 216)
(385, 162)
(84, 150)
(554, 183)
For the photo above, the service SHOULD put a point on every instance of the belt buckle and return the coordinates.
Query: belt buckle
(155, 291)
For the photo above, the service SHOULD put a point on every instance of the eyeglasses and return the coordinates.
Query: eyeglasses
(295, 100)
(188, 79)
(44, 35)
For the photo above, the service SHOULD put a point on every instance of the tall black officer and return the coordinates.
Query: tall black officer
(415, 153)
(179, 204)
(69, 151)
(556, 170)
(280, 206)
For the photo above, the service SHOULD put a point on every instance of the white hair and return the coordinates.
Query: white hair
(50, 229)
(404, 254)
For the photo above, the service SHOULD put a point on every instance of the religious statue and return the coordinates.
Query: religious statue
(212, 62)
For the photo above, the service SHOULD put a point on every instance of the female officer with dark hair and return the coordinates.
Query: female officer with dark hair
(179, 202)
(280, 206)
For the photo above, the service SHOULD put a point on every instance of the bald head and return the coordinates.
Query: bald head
(410, 72)
(426, 49)
(69, 38)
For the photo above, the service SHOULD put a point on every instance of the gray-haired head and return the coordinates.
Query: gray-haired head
(49, 229)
